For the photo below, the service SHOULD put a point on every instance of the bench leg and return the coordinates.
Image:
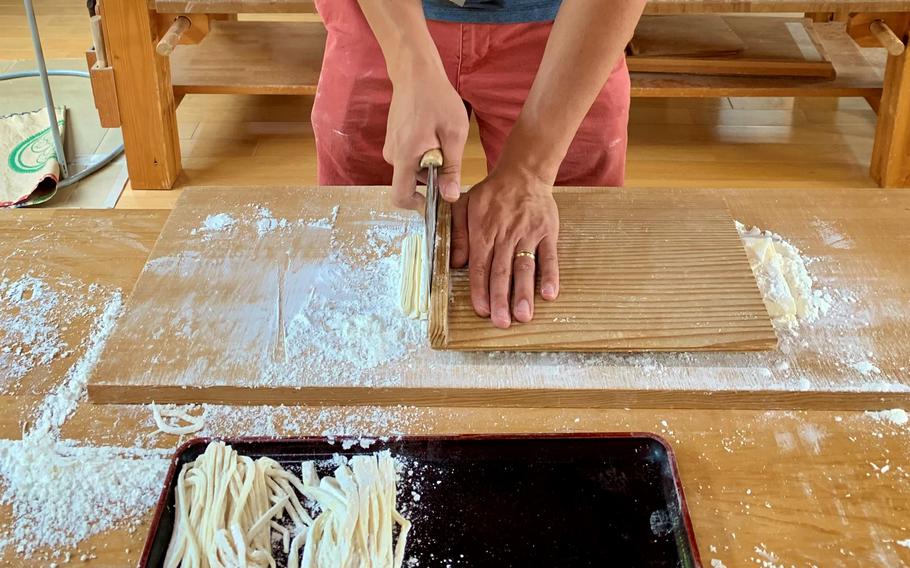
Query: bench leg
(148, 111)
(891, 152)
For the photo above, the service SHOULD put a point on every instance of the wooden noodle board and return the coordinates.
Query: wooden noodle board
(636, 274)
(695, 35)
(772, 46)
(201, 320)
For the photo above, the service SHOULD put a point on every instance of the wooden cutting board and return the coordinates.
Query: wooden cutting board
(771, 46)
(690, 35)
(213, 313)
(636, 273)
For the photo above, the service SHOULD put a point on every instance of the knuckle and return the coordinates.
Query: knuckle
(477, 271)
(500, 272)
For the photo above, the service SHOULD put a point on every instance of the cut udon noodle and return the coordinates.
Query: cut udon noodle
(227, 506)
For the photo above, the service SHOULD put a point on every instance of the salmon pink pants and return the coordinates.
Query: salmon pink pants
(492, 67)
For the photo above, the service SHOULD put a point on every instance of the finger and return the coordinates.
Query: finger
(523, 272)
(404, 187)
(481, 255)
(500, 283)
(549, 268)
(460, 240)
(452, 140)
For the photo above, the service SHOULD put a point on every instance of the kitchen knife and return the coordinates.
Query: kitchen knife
(431, 161)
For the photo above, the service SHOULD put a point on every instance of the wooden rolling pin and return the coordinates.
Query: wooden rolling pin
(172, 37)
(887, 38)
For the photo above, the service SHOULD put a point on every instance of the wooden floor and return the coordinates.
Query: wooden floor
(246, 140)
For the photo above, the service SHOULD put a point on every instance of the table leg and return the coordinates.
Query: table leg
(145, 95)
(891, 152)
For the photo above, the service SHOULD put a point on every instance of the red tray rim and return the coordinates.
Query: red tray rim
(185, 446)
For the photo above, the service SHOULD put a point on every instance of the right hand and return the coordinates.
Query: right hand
(426, 113)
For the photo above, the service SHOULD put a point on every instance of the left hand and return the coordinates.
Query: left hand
(512, 210)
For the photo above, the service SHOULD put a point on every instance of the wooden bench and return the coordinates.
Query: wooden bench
(285, 58)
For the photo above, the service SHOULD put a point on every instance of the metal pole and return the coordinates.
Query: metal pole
(46, 88)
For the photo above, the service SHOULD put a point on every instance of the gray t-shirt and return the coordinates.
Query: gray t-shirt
(491, 11)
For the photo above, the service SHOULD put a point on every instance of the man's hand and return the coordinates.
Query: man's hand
(510, 212)
(426, 113)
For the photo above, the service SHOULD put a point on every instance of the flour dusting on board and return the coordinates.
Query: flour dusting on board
(61, 492)
(34, 322)
(306, 321)
(896, 416)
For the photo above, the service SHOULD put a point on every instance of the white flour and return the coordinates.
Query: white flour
(831, 236)
(214, 224)
(61, 492)
(896, 416)
(348, 323)
(783, 278)
(33, 322)
(866, 367)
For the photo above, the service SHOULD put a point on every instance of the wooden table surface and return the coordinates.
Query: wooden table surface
(196, 331)
(767, 488)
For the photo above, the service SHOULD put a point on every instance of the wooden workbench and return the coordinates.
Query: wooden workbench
(785, 488)
(285, 58)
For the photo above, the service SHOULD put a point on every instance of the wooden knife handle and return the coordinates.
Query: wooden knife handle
(431, 158)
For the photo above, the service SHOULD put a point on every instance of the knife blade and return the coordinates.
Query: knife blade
(431, 161)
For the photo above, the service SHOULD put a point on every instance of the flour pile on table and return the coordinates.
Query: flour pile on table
(783, 278)
(214, 224)
(62, 492)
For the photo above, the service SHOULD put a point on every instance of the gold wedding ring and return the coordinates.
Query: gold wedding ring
(528, 253)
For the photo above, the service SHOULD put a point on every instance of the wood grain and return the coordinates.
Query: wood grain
(859, 26)
(635, 275)
(855, 76)
(772, 46)
(891, 151)
(252, 58)
(731, 67)
(68, 251)
(187, 333)
(798, 485)
(692, 36)
(285, 58)
(144, 95)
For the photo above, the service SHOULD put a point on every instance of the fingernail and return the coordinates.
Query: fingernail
(502, 319)
(483, 310)
(523, 311)
(548, 291)
(451, 190)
